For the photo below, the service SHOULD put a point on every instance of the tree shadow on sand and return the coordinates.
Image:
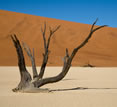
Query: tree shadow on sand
(82, 88)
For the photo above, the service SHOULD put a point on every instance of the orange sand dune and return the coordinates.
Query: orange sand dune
(100, 51)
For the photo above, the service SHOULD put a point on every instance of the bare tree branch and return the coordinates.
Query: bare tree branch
(46, 46)
(86, 40)
(43, 33)
(32, 59)
(51, 33)
(93, 25)
(66, 57)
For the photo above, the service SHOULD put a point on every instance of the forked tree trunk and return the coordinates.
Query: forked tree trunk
(26, 80)
(24, 74)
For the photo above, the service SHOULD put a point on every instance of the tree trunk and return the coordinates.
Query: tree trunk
(25, 76)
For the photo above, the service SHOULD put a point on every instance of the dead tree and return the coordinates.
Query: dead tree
(26, 81)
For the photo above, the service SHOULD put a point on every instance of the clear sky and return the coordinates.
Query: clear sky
(81, 11)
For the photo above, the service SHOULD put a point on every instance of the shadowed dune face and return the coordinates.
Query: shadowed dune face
(100, 51)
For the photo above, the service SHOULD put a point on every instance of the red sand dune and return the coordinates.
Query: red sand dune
(100, 51)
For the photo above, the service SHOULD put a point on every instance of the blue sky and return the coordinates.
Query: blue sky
(81, 11)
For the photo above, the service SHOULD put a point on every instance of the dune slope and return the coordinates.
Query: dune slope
(100, 51)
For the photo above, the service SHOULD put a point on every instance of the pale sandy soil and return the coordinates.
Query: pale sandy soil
(98, 88)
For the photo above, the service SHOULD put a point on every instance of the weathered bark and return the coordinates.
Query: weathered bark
(25, 76)
(32, 59)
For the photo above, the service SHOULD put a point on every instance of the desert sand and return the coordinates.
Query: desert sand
(82, 87)
(101, 50)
